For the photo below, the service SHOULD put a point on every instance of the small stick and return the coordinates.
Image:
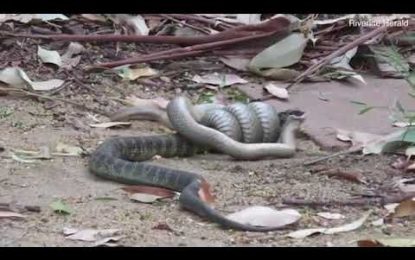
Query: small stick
(184, 52)
(337, 53)
(354, 202)
(186, 24)
(351, 150)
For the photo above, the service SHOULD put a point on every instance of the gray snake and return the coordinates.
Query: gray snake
(121, 158)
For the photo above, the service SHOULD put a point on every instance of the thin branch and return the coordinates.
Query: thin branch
(182, 52)
(337, 53)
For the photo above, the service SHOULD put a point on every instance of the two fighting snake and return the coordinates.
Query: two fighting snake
(244, 132)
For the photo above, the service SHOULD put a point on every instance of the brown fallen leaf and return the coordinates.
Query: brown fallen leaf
(348, 175)
(161, 192)
(387, 242)
(405, 209)
(369, 243)
(163, 226)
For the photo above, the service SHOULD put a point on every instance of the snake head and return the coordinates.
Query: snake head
(291, 115)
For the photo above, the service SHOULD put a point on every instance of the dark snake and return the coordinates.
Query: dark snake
(247, 132)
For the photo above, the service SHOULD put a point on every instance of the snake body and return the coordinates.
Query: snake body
(122, 159)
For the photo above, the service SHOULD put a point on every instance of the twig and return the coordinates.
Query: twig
(337, 53)
(349, 151)
(82, 106)
(183, 52)
(216, 24)
(186, 24)
(354, 202)
(274, 25)
(352, 176)
(77, 80)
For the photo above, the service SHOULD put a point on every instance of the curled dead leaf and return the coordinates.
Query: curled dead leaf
(265, 216)
(277, 91)
(110, 124)
(328, 231)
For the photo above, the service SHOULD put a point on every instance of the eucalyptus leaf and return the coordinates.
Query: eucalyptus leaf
(285, 52)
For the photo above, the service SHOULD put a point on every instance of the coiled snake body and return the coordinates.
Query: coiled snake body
(243, 131)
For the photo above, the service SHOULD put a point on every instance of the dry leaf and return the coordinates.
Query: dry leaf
(374, 144)
(138, 24)
(409, 152)
(144, 197)
(25, 18)
(10, 214)
(219, 79)
(405, 209)
(237, 63)
(249, 18)
(265, 216)
(328, 215)
(157, 191)
(110, 124)
(68, 59)
(134, 73)
(391, 207)
(402, 124)
(94, 17)
(406, 185)
(108, 241)
(69, 150)
(276, 91)
(20, 159)
(328, 231)
(163, 226)
(378, 222)
(16, 77)
(390, 242)
(410, 167)
(282, 74)
(48, 56)
(284, 53)
(91, 235)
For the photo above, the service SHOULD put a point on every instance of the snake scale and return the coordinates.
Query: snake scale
(249, 132)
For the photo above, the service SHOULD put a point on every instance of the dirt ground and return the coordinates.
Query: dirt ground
(32, 123)
(237, 185)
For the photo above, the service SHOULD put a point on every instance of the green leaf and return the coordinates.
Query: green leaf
(365, 110)
(61, 208)
(358, 103)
